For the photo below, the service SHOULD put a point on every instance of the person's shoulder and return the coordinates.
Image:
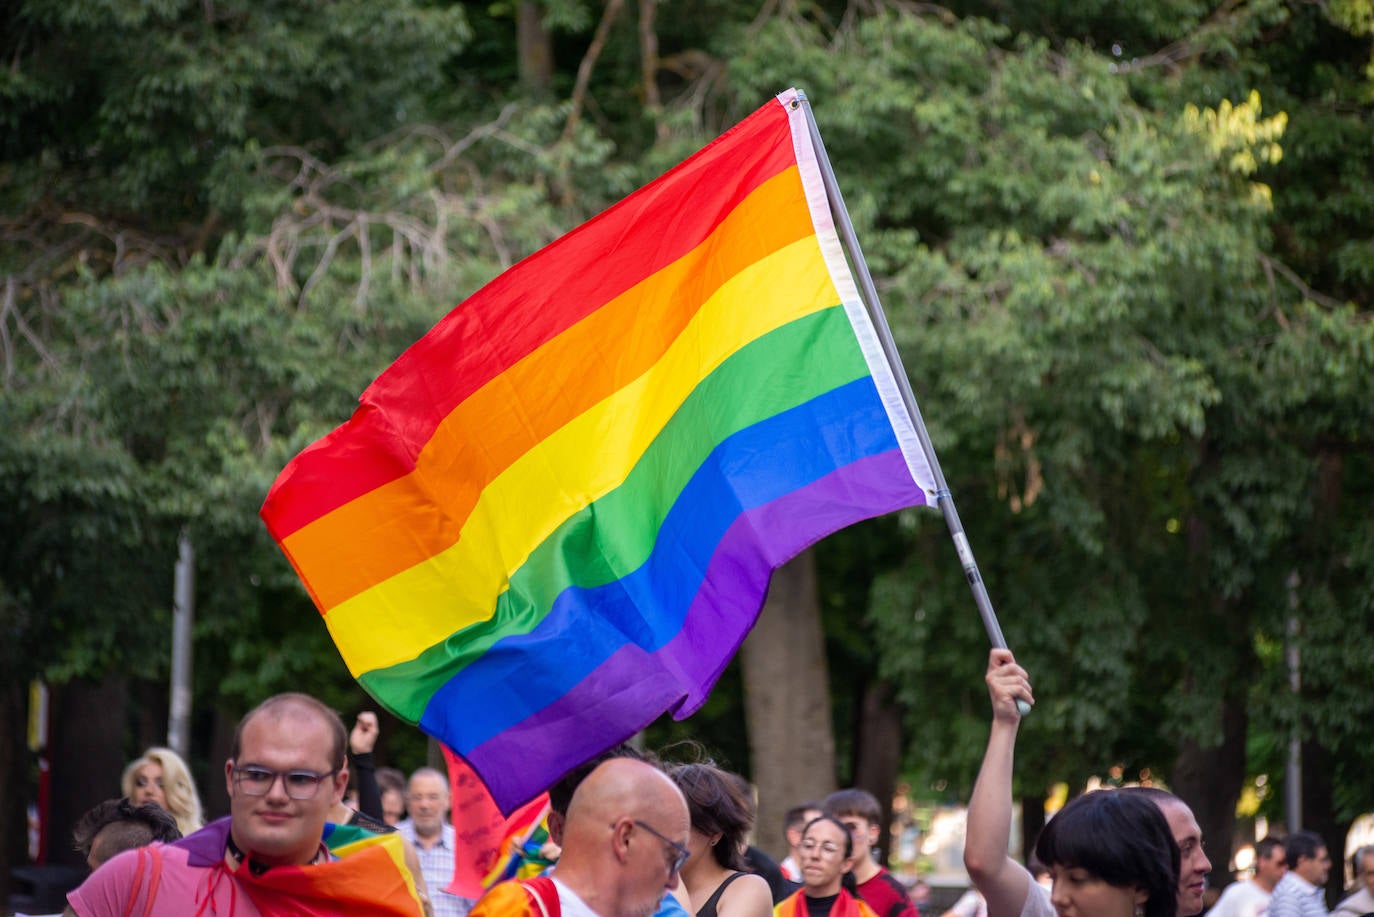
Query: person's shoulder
(880, 879)
(788, 904)
(864, 908)
(749, 890)
(1037, 903)
(886, 894)
(1355, 905)
(1245, 888)
(119, 881)
(1284, 899)
(892, 882)
(1231, 898)
(1362, 898)
(505, 899)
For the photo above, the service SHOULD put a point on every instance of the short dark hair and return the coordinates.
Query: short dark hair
(853, 801)
(561, 793)
(844, 829)
(1153, 793)
(1302, 844)
(128, 826)
(1122, 839)
(717, 805)
(1265, 847)
(391, 778)
(796, 816)
(303, 702)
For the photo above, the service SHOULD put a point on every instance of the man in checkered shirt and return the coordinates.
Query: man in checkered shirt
(428, 829)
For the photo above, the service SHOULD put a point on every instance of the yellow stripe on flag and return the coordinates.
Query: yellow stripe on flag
(399, 618)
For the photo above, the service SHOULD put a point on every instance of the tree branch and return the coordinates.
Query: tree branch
(584, 69)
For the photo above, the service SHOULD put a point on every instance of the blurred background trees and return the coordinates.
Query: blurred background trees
(1126, 250)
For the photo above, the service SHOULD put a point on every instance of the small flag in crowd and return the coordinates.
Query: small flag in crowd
(484, 836)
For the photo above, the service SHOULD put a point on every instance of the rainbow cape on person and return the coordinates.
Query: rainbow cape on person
(369, 876)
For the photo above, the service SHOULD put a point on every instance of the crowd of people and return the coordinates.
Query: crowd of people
(1131, 852)
(629, 835)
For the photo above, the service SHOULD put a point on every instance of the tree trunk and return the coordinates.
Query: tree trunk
(214, 792)
(878, 757)
(787, 701)
(648, 65)
(1210, 781)
(1032, 823)
(1318, 802)
(148, 700)
(87, 756)
(534, 48)
(14, 757)
(1319, 814)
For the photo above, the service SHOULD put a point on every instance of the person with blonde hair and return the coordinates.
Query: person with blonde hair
(162, 778)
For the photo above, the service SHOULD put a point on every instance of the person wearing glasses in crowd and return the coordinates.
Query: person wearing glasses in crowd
(429, 830)
(285, 772)
(624, 840)
(826, 852)
(859, 811)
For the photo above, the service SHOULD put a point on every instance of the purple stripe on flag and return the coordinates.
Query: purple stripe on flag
(678, 676)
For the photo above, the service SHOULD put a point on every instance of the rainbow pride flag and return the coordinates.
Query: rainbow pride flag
(555, 516)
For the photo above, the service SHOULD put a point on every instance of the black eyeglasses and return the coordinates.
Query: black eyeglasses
(258, 781)
(680, 853)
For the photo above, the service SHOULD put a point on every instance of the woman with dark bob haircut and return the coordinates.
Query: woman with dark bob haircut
(1111, 855)
(722, 814)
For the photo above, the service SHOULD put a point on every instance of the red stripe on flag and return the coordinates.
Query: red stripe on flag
(528, 305)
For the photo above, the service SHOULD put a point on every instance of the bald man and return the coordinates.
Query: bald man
(624, 841)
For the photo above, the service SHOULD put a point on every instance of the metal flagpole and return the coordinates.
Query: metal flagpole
(943, 498)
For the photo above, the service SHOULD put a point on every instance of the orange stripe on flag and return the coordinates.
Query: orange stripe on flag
(420, 515)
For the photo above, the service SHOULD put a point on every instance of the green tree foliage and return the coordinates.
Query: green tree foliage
(143, 109)
(1129, 387)
(1125, 250)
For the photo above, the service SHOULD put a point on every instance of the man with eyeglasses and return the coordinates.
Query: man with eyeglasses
(624, 841)
(285, 772)
(429, 830)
